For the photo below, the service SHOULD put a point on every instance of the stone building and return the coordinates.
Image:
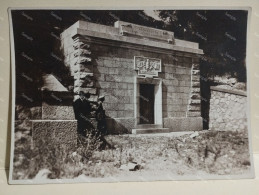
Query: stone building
(150, 79)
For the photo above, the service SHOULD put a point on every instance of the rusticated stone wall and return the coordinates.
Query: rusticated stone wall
(194, 107)
(228, 110)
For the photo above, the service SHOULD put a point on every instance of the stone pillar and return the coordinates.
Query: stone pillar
(82, 70)
(82, 67)
(194, 106)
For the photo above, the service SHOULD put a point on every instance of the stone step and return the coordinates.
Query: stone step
(150, 130)
(146, 126)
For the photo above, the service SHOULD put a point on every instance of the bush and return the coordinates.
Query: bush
(88, 144)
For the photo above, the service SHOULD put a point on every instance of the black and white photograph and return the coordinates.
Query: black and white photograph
(129, 95)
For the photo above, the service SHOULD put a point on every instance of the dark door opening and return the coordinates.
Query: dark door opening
(146, 103)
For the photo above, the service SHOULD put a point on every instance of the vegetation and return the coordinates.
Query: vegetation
(211, 152)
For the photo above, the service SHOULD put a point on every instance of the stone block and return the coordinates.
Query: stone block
(195, 84)
(83, 68)
(81, 52)
(81, 60)
(113, 78)
(113, 71)
(99, 77)
(178, 101)
(128, 113)
(130, 86)
(183, 123)
(85, 90)
(195, 96)
(194, 108)
(182, 83)
(193, 114)
(129, 92)
(83, 75)
(111, 113)
(192, 101)
(98, 62)
(182, 71)
(196, 59)
(195, 90)
(118, 92)
(103, 70)
(129, 107)
(57, 112)
(93, 98)
(52, 133)
(109, 62)
(83, 83)
(196, 66)
(183, 77)
(196, 78)
(104, 85)
(188, 83)
(196, 72)
(115, 106)
(169, 76)
(169, 82)
(187, 59)
(80, 45)
(182, 89)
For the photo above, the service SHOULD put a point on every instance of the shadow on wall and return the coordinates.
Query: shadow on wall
(205, 102)
(119, 125)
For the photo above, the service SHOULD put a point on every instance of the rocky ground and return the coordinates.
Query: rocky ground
(141, 156)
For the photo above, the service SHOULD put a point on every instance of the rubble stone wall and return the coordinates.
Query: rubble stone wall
(228, 110)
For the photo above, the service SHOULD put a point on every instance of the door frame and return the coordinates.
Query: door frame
(157, 82)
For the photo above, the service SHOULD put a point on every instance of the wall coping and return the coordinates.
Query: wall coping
(112, 33)
(231, 91)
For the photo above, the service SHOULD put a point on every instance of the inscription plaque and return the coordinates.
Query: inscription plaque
(148, 67)
(129, 29)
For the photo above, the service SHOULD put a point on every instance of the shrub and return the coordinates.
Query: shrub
(88, 144)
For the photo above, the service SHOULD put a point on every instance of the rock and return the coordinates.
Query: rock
(216, 101)
(130, 167)
(42, 174)
(240, 86)
(83, 177)
(74, 154)
(143, 165)
(195, 134)
(36, 112)
(227, 171)
(232, 97)
(232, 81)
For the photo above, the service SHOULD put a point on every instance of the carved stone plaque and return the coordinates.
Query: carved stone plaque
(148, 67)
(129, 29)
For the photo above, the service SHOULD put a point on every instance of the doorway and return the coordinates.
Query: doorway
(146, 103)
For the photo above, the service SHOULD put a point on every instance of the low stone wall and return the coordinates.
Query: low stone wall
(228, 110)
(54, 133)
